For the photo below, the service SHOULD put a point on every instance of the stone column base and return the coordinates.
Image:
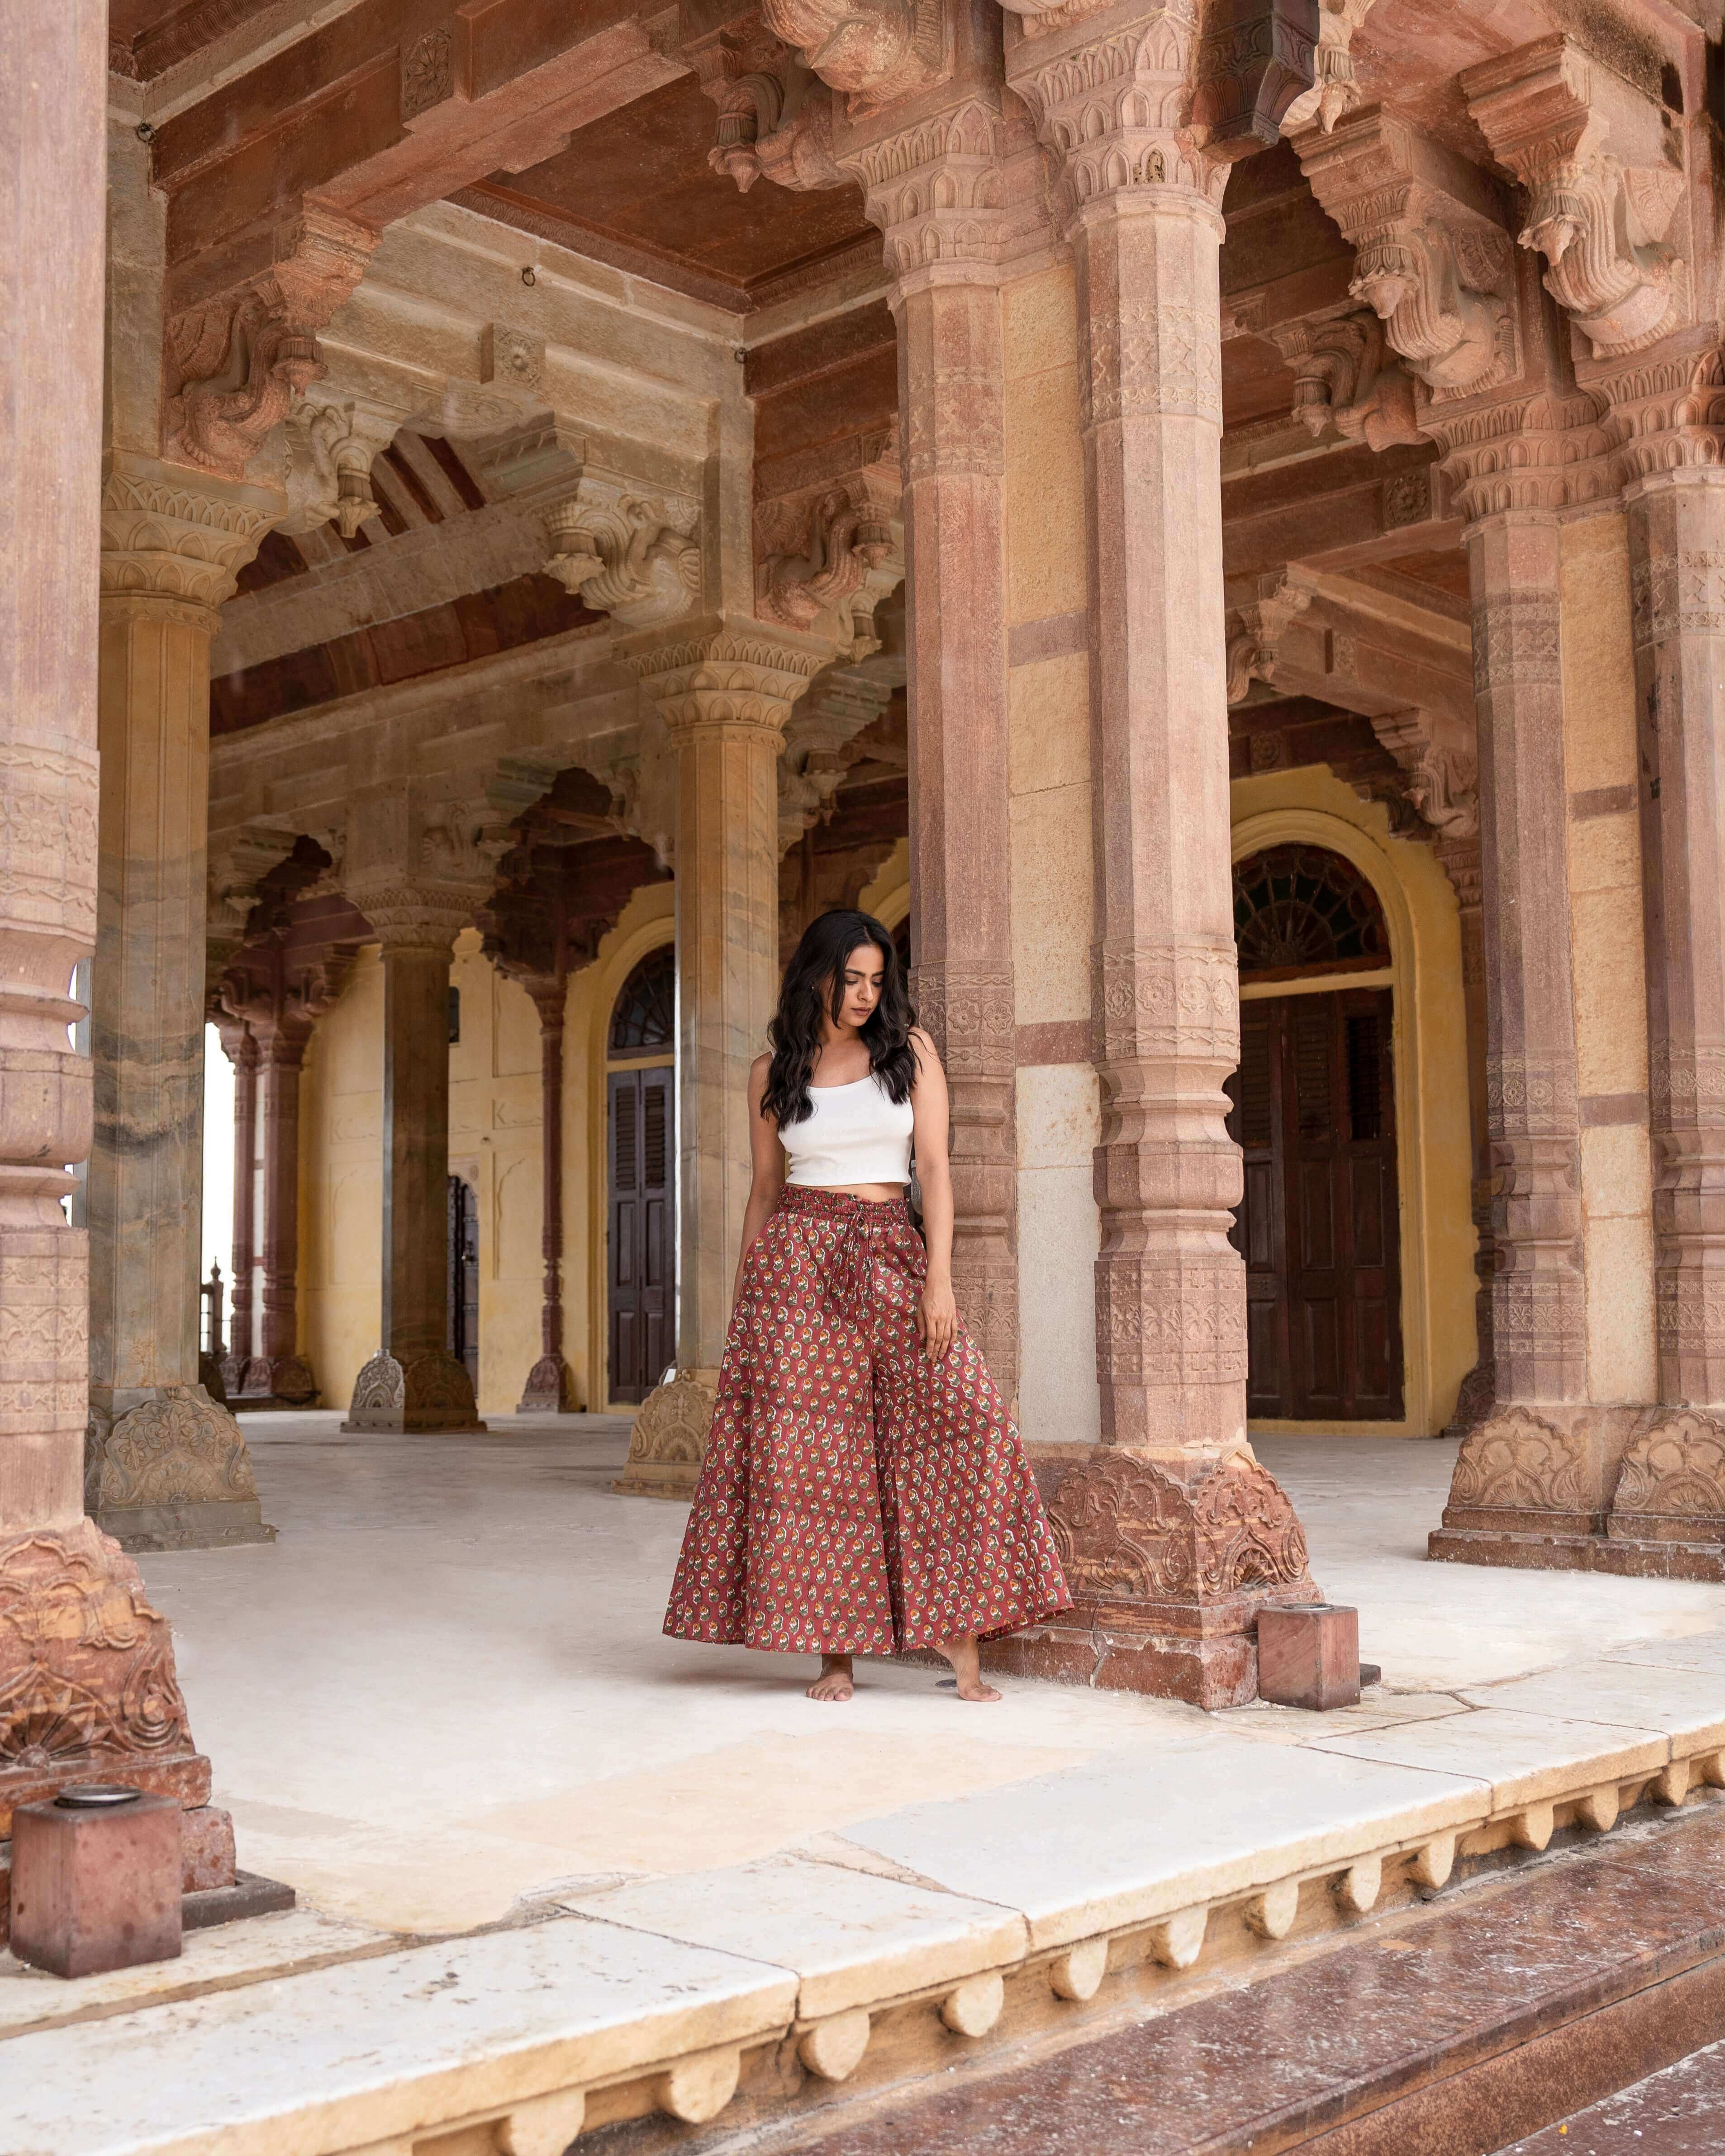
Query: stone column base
(165, 1469)
(87, 1691)
(1568, 1487)
(428, 1392)
(1167, 1573)
(279, 1382)
(550, 1389)
(669, 1440)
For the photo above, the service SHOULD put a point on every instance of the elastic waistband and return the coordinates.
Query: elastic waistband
(840, 1205)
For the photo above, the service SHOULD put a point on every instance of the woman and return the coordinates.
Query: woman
(865, 1490)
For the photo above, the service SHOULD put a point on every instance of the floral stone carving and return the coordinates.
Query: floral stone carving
(431, 1390)
(669, 1440)
(1518, 1462)
(87, 1691)
(1133, 1538)
(172, 1473)
(1671, 1485)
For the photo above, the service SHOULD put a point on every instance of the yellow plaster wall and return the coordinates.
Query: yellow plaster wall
(1434, 1151)
(1606, 958)
(1049, 781)
(494, 1133)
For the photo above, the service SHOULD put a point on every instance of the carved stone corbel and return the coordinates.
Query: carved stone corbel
(1593, 154)
(330, 443)
(826, 563)
(239, 363)
(1335, 91)
(873, 50)
(236, 873)
(775, 114)
(1440, 753)
(1255, 628)
(838, 704)
(625, 554)
(1344, 377)
(1433, 260)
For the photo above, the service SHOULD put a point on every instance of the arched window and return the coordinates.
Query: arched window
(1301, 909)
(645, 1018)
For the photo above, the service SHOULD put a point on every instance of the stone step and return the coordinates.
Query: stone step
(1677, 2112)
(1490, 2013)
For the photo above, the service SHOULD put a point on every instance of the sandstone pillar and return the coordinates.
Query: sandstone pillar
(1174, 1535)
(413, 1382)
(550, 1389)
(725, 687)
(1534, 1477)
(87, 1691)
(241, 1044)
(167, 1468)
(278, 1376)
(1677, 570)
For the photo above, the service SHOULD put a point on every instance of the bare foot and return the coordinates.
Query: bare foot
(834, 1682)
(967, 1667)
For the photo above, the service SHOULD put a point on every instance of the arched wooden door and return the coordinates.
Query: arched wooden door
(1314, 1114)
(641, 1164)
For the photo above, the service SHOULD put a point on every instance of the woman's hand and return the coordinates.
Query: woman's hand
(938, 1319)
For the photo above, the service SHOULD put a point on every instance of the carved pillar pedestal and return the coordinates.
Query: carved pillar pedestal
(87, 1691)
(1533, 1481)
(413, 1382)
(166, 1468)
(725, 685)
(1173, 1535)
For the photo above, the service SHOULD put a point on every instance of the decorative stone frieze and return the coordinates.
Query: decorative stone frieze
(1603, 173)
(1345, 378)
(1433, 260)
(236, 365)
(872, 51)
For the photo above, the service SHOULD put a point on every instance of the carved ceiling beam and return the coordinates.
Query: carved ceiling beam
(1433, 260)
(1602, 165)
(1348, 643)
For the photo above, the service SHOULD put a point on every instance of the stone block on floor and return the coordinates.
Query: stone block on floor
(1309, 1657)
(95, 1886)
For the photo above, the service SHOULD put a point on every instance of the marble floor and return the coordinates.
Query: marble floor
(443, 1695)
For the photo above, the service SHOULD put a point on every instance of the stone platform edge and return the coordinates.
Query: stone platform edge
(683, 2057)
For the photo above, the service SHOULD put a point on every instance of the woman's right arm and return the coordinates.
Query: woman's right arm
(767, 1159)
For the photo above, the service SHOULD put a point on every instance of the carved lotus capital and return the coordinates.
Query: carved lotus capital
(724, 673)
(175, 538)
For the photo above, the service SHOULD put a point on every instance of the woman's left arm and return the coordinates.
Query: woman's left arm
(937, 1320)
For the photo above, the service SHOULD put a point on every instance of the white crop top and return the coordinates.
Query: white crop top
(857, 1133)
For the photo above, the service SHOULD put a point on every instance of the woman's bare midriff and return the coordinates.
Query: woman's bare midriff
(875, 1190)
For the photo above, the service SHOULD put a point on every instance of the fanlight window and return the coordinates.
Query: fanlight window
(646, 1011)
(1304, 910)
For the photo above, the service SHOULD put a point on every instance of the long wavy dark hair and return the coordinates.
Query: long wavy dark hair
(814, 987)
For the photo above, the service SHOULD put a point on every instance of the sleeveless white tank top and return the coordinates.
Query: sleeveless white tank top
(857, 1133)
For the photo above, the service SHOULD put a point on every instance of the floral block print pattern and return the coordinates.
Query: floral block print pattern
(855, 1498)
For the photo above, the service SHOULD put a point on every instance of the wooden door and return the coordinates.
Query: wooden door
(461, 1331)
(1319, 1225)
(642, 1230)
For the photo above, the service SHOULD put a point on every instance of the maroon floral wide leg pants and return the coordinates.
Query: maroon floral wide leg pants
(855, 1497)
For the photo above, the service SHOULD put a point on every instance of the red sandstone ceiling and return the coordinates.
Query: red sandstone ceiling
(635, 188)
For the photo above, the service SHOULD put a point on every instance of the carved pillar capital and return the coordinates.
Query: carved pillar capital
(724, 673)
(1433, 260)
(936, 192)
(1596, 156)
(1524, 455)
(841, 702)
(174, 540)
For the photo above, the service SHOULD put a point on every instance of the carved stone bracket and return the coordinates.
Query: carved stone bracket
(840, 703)
(1440, 755)
(1255, 630)
(1603, 179)
(775, 113)
(826, 561)
(667, 1441)
(631, 556)
(1335, 89)
(873, 51)
(1345, 378)
(330, 443)
(237, 364)
(1433, 260)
